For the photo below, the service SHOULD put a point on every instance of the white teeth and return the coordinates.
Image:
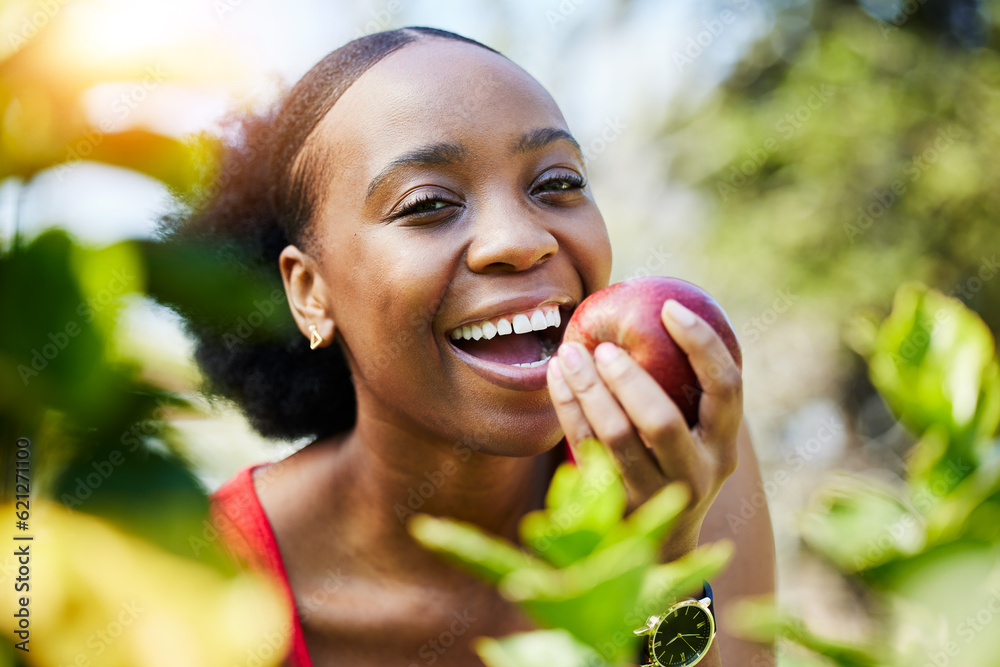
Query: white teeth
(538, 321)
(534, 364)
(521, 324)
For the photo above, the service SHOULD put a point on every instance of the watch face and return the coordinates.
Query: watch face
(683, 636)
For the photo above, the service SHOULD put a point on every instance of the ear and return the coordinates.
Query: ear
(308, 294)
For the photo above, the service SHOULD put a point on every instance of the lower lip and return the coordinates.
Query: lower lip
(517, 378)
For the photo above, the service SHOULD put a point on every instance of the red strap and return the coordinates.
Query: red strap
(569, 450)
(245, 530)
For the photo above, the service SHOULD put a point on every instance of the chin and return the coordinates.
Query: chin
(520, 436)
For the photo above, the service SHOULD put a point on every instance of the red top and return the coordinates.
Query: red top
(237, 513)
(245, 530)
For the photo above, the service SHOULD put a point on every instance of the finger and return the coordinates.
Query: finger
(656, 417)
(568, 411)
(721, 406)
(611, 425)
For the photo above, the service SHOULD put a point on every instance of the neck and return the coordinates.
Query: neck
(381, 475)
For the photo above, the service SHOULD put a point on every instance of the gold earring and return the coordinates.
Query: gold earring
(315, 340)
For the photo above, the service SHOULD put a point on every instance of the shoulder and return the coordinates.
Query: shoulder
(239, 521)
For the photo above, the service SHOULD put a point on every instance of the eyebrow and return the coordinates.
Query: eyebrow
(450, 153)
(532, 140)
(441, 153)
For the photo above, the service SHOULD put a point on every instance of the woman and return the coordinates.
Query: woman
(412, 183)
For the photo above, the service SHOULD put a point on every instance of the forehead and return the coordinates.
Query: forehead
(433, 90)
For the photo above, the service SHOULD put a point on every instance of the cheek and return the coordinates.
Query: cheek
(592, 244)
(391, 295)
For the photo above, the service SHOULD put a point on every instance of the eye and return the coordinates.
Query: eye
(561, 183)
(423, 204)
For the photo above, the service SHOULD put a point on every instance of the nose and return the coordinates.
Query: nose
(509, 239)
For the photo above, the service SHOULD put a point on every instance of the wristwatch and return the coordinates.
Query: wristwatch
(682, 636)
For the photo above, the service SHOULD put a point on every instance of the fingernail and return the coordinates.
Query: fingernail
(606, 352)
(679, 313)
(558, 388)
(569, 357)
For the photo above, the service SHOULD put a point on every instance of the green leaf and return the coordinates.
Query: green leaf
(934, 578)
(542, 648)
(559, 545)
(105, 276)
(594, 599)
(759, 620)
(935, 365)
(607, 572)
(859, 523)
(664, 584)
(214, 286)
(470, 547)
(654, 518)
(583, 503)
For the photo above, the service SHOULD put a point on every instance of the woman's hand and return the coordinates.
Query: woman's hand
(610, 397)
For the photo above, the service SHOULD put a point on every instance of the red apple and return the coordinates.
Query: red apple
(628, 315)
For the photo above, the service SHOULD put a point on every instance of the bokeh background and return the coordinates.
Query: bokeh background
(799, 159)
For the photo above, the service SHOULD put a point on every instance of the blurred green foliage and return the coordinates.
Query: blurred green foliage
(925, 550)
(585, 573)
(845, 155)
(851, 151)
(96, 419)
(44, 74)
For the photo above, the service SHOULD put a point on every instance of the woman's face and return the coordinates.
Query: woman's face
(450, 197)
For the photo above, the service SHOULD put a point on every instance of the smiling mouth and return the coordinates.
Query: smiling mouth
(526, 339)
